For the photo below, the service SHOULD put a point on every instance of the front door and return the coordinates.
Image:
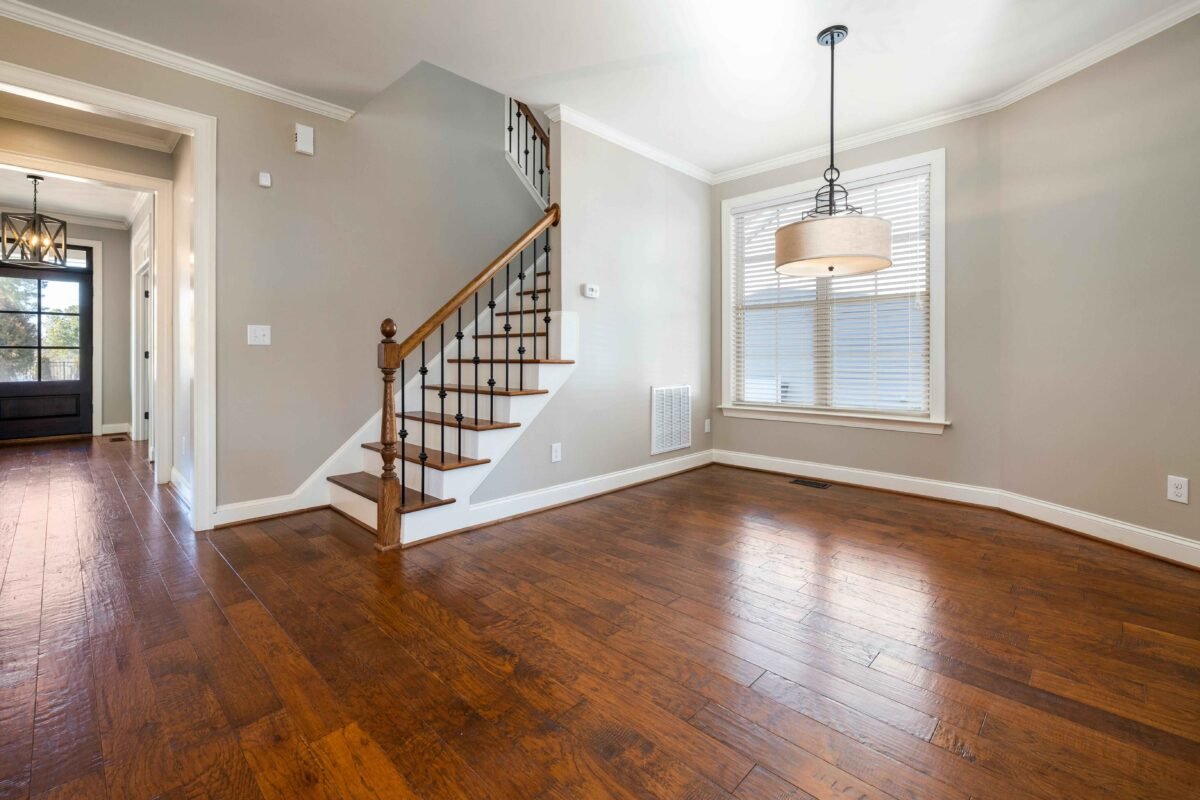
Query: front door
(46, 348)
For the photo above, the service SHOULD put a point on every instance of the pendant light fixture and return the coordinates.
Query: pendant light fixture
(835, 238)
(33, 240)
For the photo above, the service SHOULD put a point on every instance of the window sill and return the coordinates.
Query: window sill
(849, 420)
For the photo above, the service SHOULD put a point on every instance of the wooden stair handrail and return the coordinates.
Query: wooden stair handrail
(549, 219)
(537, 127)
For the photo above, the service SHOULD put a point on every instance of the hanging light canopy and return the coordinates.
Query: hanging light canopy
(835, 238)
(34, 239)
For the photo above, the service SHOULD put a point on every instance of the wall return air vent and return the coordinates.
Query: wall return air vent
(670, 418)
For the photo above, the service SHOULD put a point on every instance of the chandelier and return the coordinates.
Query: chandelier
(34, 239)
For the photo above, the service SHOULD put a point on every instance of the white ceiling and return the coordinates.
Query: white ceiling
(717, 83)
(62, 196)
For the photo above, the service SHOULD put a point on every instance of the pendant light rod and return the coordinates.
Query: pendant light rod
(832, 198)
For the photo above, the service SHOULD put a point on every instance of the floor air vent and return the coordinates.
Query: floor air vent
(118, 439)
(811, 484)
(670, 418)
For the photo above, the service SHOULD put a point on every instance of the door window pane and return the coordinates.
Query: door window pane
(18, 330)
(19, 294)
(60, 365)
(60, 330)
(17, 365)
(60, 296)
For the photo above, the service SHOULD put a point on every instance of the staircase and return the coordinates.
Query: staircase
(469, 378)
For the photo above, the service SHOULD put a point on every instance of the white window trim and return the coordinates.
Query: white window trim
(936, 421)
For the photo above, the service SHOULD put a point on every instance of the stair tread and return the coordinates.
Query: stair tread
(547, 290)
(526, 311)
(366, 485)
(489, 391)
(468, 423)
(511, 361)
(438, 460)
(509, 335)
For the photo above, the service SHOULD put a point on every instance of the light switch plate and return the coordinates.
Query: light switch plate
(590, 290)
(259, 335)
(556, 452)
(264, 180)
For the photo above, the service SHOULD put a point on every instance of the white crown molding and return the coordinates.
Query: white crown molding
(1093, 55)
(57, 23)
(164, 144)
(594, 126)
(1169, 546)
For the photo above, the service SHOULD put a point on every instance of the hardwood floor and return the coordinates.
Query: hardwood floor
(718, 634)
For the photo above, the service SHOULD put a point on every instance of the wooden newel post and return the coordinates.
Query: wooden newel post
(388, 525)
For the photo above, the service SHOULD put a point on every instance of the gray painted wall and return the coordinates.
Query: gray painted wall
(398, 209)
(1071, 282)
(641, 232)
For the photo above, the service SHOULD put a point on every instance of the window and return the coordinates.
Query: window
(859, 349)
(39, 325)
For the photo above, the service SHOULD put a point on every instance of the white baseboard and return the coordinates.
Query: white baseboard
(182, 485)
(539, 499)
(1158, 543)
(113, 427)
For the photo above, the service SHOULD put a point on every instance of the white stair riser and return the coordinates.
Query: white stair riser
(513, 380)
(439, 483)
(507, 409)
(433, 438)
(354, 505)
(505, 348)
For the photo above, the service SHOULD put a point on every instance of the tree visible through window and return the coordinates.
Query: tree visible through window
(39, 329)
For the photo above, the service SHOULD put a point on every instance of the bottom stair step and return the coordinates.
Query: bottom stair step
(367, 485)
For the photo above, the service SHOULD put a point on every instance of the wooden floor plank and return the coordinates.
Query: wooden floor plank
(719, 634)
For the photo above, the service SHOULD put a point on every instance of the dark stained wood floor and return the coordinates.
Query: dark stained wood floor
(717, 634)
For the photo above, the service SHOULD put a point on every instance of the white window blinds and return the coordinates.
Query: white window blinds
(859, 343)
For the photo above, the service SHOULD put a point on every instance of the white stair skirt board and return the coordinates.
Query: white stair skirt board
(1165, 545)
(529, 187)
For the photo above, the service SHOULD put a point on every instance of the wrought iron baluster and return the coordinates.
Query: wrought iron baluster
(534, 297)
(442, 392)
(475, 358)
(546, 319)
(492, 348)
(459, 416)
(403, 437)
(510, 125)
(424, 455)
(525, 139)
(521, 323)
(507, 318)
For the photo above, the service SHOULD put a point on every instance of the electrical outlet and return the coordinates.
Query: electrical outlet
(1177, 489)
(708, 426)
(556, 452)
